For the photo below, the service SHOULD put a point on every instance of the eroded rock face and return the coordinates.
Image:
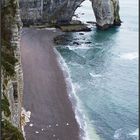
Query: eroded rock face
(11, 70)
(52, 11)
(106, 12)
(61, 11)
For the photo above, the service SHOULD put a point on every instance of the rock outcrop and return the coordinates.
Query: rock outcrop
(62, 11)
(11, 72)
(106, 13)
(52, 11)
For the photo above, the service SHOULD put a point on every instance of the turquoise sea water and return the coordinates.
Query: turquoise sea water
(104, 74)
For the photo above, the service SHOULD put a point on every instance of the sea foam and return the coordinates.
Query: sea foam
(121, 132)
(87, 133)
(82, 47)
(130, 56)
(135, 133)
(95, 75)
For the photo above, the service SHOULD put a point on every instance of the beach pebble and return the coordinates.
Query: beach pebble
(36, 132)
(49, 125)
(56, 125)
(31, 125)
(42, 129)
(53, 135)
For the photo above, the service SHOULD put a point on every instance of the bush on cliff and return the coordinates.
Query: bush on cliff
(5, 106)
(9, 132)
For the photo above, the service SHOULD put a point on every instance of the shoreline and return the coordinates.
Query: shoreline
(86, 132)
(73, 97)
(52, 115)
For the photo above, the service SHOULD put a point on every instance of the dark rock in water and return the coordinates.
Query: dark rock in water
(88, 42)
(117, 23)
(91, 22)
(81, 33)
(104, 27)
(76, 43)
(62, 40)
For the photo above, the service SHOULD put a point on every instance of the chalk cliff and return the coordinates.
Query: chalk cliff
(62, 11)
(106, 12)
(11, 72)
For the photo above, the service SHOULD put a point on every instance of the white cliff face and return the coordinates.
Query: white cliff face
(106, 12)
(52, 11)
(61, 11)
(103, 11)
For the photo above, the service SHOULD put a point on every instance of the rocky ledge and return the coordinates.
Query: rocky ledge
(74, 26)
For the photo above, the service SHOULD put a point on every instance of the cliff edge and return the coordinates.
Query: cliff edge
(11, 71)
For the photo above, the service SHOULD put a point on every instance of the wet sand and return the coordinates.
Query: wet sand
(45, 93)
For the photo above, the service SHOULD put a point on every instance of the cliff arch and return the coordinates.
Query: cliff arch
(61, 11)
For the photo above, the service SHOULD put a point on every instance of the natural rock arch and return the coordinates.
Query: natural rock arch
(61, 11)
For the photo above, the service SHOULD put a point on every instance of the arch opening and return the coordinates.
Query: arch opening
(84, 13)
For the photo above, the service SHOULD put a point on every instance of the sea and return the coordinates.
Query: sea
(101, 67)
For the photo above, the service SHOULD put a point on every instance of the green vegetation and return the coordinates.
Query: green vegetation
(8, 59)
(5, 106)
(9, 132)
